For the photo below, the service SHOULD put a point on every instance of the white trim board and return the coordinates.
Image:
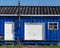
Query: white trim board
(25, 15)
(8, 15)
(38, 15)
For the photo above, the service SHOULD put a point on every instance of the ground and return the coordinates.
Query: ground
(30, 46)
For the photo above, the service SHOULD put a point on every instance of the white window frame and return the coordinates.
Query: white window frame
(52, 29)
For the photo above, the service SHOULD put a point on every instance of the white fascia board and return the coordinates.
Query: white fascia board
(8, 15)
(39, 15)
(25, 15)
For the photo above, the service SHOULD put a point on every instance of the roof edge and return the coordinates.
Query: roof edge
(25, 15)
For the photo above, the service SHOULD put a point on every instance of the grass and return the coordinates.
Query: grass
(11, 46)
(37, 46)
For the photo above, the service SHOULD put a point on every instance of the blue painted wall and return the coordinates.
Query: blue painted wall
(19, 32)
(9, 19)
(49, 34)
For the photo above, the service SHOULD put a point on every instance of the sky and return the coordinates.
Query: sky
(30, 2)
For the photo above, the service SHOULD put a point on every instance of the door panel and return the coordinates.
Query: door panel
(33, 31)
(9, 28)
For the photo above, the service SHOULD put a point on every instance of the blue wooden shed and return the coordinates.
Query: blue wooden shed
(35, 25)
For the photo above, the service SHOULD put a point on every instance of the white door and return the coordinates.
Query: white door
(34, 31)
(9, 31)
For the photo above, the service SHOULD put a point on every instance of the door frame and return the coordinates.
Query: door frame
(13, 30)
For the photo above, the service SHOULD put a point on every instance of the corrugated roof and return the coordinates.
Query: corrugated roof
(31, 10)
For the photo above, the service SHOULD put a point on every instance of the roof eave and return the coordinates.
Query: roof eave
(27, 15)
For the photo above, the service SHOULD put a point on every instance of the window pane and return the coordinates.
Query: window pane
(50, 27)
(50, 23)
(55, 23)
(55, 27)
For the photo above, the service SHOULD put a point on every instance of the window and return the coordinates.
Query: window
(53, 25)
